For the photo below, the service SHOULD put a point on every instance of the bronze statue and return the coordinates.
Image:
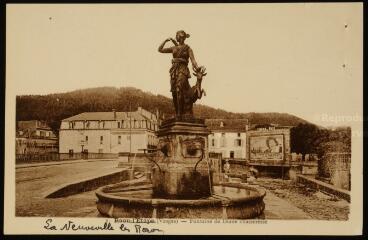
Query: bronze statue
(184, 96)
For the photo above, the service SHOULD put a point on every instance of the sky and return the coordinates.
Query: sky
(304, 59)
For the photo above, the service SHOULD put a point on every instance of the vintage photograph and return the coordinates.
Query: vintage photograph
(190, 112)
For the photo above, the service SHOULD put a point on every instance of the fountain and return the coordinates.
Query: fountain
(180, 183)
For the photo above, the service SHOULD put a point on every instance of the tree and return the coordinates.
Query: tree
(52, 108)
(306, 138)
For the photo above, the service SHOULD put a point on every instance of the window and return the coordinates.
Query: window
(238, 142)
(238, 134)
(213, 142)
(223, 140)
(87, 124)
(71, 152)
(86, 139)
(231, 154)
(119, 124)
(119, 139)
(101, 139)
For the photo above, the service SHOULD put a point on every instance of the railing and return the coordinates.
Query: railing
(37, 137)
(47, 157)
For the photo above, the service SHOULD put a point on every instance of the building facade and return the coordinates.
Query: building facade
(108, 132)
(35, 137)
(228, 137)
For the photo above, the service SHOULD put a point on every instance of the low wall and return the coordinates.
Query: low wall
(319, 185)
(51, 157)
(89, 184)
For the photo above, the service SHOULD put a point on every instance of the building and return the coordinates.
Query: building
(35, 137)
(228, 137)
(108, 132)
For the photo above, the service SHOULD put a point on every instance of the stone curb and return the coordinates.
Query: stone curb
(319, 185)
(88, 184)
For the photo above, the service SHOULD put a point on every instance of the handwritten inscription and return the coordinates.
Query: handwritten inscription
(107, 226)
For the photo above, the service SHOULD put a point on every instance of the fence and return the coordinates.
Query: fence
(31, 158)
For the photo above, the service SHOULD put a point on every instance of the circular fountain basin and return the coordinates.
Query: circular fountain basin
(134, 199)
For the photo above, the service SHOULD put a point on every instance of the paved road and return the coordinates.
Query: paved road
(278, 208)
(33, 183)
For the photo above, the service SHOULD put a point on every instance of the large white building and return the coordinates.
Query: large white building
(108, 132)
(228, 137)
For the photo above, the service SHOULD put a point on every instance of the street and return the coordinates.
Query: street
(33, 183)
(283, 200)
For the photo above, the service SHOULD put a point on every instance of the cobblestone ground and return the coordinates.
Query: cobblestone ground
(317, 205)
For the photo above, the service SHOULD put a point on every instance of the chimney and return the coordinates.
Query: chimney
(114, 113)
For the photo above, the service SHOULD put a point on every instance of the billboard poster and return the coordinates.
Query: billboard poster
(267, 147)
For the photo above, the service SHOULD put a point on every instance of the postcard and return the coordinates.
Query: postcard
(234, 119)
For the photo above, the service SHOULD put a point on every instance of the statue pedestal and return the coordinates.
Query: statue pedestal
(184, 171)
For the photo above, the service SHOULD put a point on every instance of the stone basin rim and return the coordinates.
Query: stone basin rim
(106, 197)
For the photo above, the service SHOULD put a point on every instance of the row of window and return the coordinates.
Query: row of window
(120, 124)
(85, 151)
(102, 139)
(151, 139)
(237, 142)
(223, 134)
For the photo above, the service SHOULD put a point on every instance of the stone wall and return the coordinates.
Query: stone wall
(336, 168)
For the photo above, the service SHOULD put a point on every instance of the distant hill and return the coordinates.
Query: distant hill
(54, 107)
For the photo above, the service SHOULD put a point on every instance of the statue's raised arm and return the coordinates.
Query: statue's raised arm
(161, 48)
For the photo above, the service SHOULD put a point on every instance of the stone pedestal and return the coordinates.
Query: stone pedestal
(183, 169)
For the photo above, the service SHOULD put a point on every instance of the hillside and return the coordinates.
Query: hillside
(54, 107)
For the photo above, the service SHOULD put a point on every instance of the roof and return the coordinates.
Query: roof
(32, 124)
(229, 125)
(268, 125)
(107, 116)
(29, 133)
